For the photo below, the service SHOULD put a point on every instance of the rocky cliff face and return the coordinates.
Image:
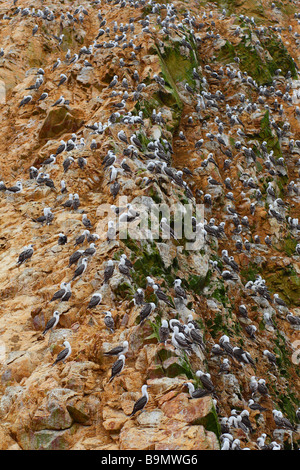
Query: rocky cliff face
(207, 96)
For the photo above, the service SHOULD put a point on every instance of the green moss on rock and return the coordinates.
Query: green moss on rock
(260, 66)
(285, 282)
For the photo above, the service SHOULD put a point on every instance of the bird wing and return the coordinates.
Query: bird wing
(117, 367)
(139, 405)
(62, 355)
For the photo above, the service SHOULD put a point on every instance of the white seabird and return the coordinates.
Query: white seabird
(117, 367)
(25, 254)
(52, 322)
(95, 300)
(122, 349)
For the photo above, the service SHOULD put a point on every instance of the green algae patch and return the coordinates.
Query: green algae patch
(266, 135)
(260, 66)
(285, 282)
(247, 7)
(211, 422)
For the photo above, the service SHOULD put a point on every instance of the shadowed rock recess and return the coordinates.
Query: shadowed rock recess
(202, 100)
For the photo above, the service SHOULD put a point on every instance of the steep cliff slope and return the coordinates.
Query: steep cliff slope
(202, 100)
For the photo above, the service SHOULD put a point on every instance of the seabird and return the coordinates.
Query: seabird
(206, 381)
(59, 294)
(108, 271)
(270, 356)
(117, 367)
(109, 321)
(75, 257)
(95, 300)
(141, 402)
(61, 148)
(292, 319)
(79, 240)
(86, 222)
(122, 349)
(63, 187)
(242, 356)
(161, 295)
(122, 136)
(56, 64)
(111, 231)
(224, 342)
(59, 102)
(76, 202)
(251, 330)
(69, 202)
(282, 422)
(66, 296)
(64, 354)
(25, 100)
(179, 291)
(43, 97)
(67, 163)
(225, 366)
(243, 311)
(63, 79)
(164, 332)
(146, 311)
(262, 388)
(113, 82)
(279, 301)
(198, 393)
(52, 322)
(179, 340)
(90, 251)
(123, 268)
(195, 335)
(25, 254)
(81, 268)
(15, 189)
(125, 166)
(62, 239)
(255, 406)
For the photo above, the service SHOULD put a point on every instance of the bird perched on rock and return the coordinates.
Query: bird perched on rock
(282, 422)
(161, 295)
(62, 239)
(95, 300)
(64, 354)
(164, 332)
(26, 254)
(196, 393)
(121, 349)
(81, 269)
(51, 324)
(141, 402)
(109, 322)
(146, 311)
(117, 367)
